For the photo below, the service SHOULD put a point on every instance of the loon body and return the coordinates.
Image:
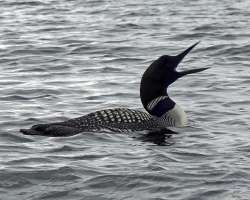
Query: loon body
(117, 119)
(162, 111)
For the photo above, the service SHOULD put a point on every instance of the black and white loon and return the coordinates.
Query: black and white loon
(162, 111)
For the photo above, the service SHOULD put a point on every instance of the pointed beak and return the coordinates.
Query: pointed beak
(184, 53)
(192, 71)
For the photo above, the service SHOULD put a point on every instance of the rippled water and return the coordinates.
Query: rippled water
(63, 59)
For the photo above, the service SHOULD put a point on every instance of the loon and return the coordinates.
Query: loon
(162, 111)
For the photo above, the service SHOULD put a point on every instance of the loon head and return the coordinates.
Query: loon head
(159, 75)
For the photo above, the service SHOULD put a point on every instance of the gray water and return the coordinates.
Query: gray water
(63, 59)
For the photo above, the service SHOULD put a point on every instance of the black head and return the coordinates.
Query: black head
(161, 73)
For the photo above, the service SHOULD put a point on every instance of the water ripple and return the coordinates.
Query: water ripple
(64, 59)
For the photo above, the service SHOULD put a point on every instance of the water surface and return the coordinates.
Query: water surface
(64, 59)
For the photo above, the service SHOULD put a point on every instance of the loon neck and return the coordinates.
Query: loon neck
(150, 90)
(153, 92)
(160, 105)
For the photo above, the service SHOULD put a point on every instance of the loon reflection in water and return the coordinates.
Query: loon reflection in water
(159, 137)
(162, 111)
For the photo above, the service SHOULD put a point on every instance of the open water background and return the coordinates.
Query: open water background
(63, 59)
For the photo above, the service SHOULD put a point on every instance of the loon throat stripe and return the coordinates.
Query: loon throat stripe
(160, 106)
(155, 101)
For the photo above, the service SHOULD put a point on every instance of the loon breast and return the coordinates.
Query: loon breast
(176, 117)
(166, 112)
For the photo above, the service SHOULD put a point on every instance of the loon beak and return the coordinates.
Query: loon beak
(184, 53)
(180, 58)
(191, 71)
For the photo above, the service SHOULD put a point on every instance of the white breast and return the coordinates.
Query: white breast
(176, 117)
